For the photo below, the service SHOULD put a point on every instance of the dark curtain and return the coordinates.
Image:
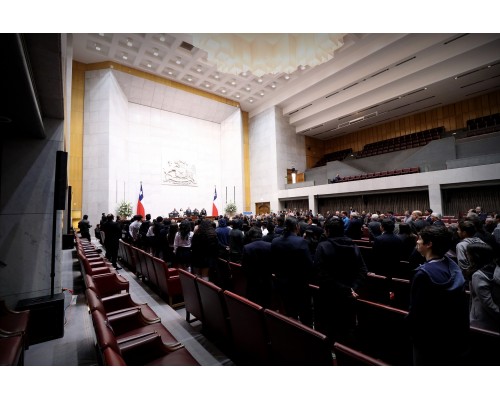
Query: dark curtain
(396, 202)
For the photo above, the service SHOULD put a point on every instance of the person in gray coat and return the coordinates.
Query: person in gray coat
(484, 287)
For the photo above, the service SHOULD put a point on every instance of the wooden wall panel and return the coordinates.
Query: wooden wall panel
(452, 117)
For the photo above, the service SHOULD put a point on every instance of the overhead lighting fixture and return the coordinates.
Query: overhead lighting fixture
(261, 93)
(156, 53)
(302, 67)
(97, 47)
(247, 88)
(233, 83)
(238, 95)
(207, 85)
(223, 90)
(216, 76)
(149, 64)
(124, 56)
(189, 78)
(267, 53)
(259, 80)
(101, 34)
(198, 69)
(129, 42)
(178, 61)
(250, 100)
(287, 77)
(170, 72)
(162, 38)
(273, 85)
(244, 73)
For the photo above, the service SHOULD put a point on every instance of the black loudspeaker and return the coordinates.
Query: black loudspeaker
(61, 181)
(46, 321)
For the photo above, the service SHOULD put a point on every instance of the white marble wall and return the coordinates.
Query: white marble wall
(135, 140)
(274, 147)
(26, 202)
(232, 162)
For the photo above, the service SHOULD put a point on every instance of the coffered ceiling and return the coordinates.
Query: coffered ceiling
(372, 79)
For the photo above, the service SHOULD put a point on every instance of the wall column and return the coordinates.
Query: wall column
(313, 204)
(435, 200)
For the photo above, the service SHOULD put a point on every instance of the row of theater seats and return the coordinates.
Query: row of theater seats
(252, 335)
(153, 271)
(381, 174)
(482, 125)
(381, 332)
(401, 142)
(13, 335)
(127, 332)
(335, 156)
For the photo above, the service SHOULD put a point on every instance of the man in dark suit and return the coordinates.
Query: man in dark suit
(387, 250)
(256, 262)
(293, 267)
(355, 228)
(112, 235)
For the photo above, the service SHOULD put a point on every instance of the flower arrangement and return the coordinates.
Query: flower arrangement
(124, 209)
(230, 208)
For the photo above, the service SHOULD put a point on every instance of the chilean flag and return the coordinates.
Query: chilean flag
(215, 212)
(140, 207)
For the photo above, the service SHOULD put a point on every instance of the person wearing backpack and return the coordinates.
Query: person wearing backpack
(341, 271)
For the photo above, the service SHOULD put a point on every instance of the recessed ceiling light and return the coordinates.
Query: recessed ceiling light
(302, 67)
(261, 93)
(273, 85)
(156, 53)
(238, 95)
(149, 64)
(247, 88)
(216, 76)
(287, 77)
(259, 80)
(250, 100)
(189, 79)
(233, 83)
(162, 38)
(170, 73)
(125, 57)
(97, 47)
(223, 90)
(207, 85)
(101, 34)
(129, 42)
(198, 69)
(178, 61)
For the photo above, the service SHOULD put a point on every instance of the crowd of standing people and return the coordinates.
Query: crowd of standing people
(283, 253)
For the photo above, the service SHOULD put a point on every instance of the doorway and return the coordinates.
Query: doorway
(262, 208)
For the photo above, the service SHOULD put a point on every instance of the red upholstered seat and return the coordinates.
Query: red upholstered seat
(215, 316)
(191, 296)
(169, 284)
(107, 284)
(347, 356)
(248, 329)
(293, 343)
(11, 349)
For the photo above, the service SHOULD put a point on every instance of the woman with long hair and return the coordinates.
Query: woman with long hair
(204, 249)
(182, 245)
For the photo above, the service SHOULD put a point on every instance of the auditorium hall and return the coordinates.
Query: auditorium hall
(106, 127)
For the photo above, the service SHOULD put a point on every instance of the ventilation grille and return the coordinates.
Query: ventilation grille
(186, 46)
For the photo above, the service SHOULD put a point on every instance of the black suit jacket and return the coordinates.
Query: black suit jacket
(292, 260)
(387, 252)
